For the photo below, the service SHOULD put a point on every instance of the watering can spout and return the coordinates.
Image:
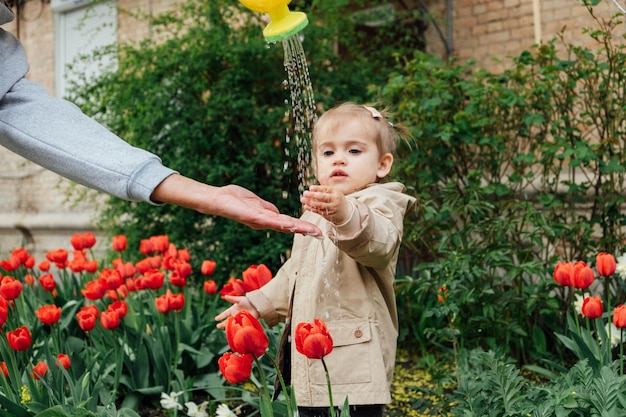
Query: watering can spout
(284, 23)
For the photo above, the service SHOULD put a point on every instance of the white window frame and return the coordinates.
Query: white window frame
(80, 27)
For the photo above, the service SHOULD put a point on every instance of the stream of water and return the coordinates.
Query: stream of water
(304, 116)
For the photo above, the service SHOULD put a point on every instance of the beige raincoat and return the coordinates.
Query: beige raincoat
(347, 280)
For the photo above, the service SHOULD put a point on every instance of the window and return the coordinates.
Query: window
(81, 27)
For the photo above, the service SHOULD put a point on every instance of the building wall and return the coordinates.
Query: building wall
(34, 211)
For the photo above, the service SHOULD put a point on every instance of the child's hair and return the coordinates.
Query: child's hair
(386, 134)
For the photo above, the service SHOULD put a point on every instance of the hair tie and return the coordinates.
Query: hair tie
(375, 113)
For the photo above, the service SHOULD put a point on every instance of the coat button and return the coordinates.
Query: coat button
(358, 333)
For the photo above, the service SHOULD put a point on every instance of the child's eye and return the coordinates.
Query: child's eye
(355, 151)
(327, 153)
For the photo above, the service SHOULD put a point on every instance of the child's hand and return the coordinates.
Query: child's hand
(328, 202)
(239, 303)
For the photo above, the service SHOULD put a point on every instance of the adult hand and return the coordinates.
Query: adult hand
(232, 202)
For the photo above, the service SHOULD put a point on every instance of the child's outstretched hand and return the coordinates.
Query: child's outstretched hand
(328, 202)
(239, 303)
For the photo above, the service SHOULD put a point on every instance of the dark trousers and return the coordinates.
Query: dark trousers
(374, 410)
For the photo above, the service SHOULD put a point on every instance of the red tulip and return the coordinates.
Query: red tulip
(39, 370)
(93, 290)
(58, 256)
(245, 334)
(235, 368)
(47, 282)
(10, 264)
(592, 307)
(256, 276)
(87, 316)
(109, 319)
(563, 273)
(208, 267)
(175, 302)
(19, 339)
(619, 316)
(234, 286)
(160, 243)
(22, 255)
(4, 315)
(154, 279)
(49, 314)
(162, 304)
(44, 266)
(210, 286)
(313, 339)
(111, 279)
(583, 275)
(120, 307)
(119, 243)
(5, 370)
(605, 264)
(64, 360)
(82, 241)
(10, 288)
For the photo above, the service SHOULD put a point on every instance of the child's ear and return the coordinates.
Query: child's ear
(384, 165)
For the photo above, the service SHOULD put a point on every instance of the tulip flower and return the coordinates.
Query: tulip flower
(313, 339)
(87, 318)
(109, 319)
(563, 273)
(592, 307)
(235, 368)
(64, 360)
(4, 315)
(120, 307)
(210, 286)
(245, 334)
(19, 339)
(10, 288)
(39, 370)
(44, 266)
(619, 316)
(119, 243)
(256, 276)
(5, 370)
(234, 286)
(47, 282)
(605, 264)
(208, 267)
(162, 304)
(49, 314)
(93, 290)
(583, 276)
(82, 241)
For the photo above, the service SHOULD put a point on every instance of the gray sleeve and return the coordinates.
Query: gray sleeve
(55, 134)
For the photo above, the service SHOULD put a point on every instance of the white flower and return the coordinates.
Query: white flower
(169, 402)
(614, 332)
(193, 410)
(578, 304)
(621, 266)
(224, 411)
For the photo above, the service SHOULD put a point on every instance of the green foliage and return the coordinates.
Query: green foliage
(513, 171)
(206, 94)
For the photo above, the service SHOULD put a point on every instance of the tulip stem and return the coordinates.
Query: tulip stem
(330, 390)
(266, 390)
(283, 386)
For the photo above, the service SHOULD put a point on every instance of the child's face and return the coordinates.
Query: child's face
(347, 158)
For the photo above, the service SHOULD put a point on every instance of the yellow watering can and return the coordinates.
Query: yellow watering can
(284, 23)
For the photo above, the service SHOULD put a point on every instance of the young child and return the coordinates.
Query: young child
(347, 278)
